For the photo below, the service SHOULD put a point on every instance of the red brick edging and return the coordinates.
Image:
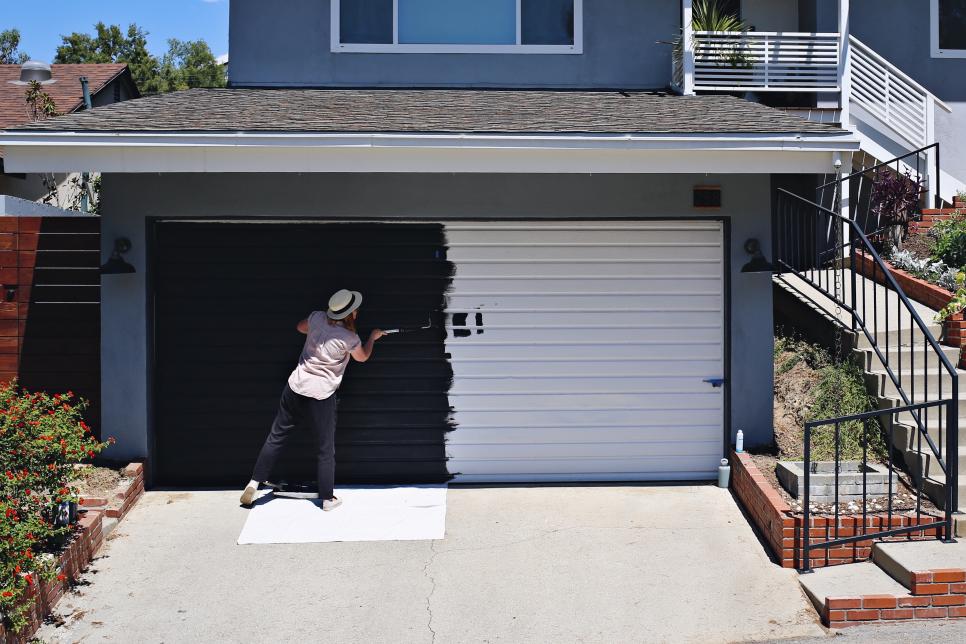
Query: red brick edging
(784, 530)
(87, 540)
(935, 594)
(935, 297)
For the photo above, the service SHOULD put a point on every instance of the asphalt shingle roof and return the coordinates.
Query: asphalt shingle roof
(432, 110)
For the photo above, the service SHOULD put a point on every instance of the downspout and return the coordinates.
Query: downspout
(86, 177)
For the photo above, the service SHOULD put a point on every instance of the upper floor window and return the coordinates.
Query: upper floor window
(948, 26)
(458, 26)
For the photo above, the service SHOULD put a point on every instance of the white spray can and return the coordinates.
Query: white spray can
(740, 442)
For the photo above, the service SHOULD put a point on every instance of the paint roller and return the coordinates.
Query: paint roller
(429, 325)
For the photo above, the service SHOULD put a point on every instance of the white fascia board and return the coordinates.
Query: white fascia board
(290, 152)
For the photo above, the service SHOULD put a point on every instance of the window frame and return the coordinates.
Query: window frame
(937, 52)
(336, 46)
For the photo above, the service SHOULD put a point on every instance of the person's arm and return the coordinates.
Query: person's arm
(303, 326)
(364, 351)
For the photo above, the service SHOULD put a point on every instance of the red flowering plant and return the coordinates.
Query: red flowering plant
(41, 438)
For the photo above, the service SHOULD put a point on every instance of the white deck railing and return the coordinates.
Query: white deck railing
(892, 97)
(765, 61)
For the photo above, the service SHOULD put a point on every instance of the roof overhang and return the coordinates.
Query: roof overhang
(121, 152)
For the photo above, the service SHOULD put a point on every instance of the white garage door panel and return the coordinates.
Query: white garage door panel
(542, 435)
(658, 468)
(672, 418)
(513, 371)
(587, 358)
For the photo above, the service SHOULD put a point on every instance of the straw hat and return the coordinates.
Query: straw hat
(343, 303)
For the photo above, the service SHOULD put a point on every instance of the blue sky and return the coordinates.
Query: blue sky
(42, 23)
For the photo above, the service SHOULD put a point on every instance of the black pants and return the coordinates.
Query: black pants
(294, 410)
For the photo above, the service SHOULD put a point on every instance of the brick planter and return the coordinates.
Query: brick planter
(87, 540)
(784, 530)
(935, 297)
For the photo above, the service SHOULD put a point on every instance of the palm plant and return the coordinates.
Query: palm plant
(708, 15)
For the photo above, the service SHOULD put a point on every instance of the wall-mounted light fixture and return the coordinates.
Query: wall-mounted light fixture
(116, 264)
(758, 263)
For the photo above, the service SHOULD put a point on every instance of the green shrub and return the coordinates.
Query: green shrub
(41, 438)
(839, 391)
(950, 238)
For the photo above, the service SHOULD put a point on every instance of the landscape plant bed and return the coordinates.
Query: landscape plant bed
(904, 500)
(84, 541)
(783, 529)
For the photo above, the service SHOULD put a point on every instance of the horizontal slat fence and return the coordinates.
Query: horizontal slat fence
(50, 306)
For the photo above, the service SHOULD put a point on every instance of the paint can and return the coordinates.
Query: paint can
(724, 474)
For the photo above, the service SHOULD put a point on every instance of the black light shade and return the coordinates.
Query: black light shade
(758, 263)
(116, 264)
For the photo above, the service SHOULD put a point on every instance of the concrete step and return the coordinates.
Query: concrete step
(894, 331)
(935, 489)
(901, 559)
(914, 382)
(868, 360)
(837, 591)
(925, 461)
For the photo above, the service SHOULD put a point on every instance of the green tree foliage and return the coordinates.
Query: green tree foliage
(187, 64)
(10, 53)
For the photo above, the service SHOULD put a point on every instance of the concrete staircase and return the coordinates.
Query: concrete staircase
(904, 580)
(910, 358)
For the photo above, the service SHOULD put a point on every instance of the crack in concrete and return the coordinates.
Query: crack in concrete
(429, 597)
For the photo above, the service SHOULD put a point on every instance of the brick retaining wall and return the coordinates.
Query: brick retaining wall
(783, 530)
(87, 540)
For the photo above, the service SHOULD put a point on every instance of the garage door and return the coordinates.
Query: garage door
(558, 350)
(588, 348)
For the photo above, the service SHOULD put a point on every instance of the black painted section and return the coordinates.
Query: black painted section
(228, 297)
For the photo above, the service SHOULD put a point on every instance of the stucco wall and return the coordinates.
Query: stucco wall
(128, 200)
(771, 15)
(290, 47)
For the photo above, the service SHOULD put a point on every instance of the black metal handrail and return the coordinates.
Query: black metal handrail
(860, 202)
(829, 251)
(864, 534)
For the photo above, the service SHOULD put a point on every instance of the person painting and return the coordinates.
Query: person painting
(309, 395)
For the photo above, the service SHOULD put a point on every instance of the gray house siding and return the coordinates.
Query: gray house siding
(126, 307)
(291, 48)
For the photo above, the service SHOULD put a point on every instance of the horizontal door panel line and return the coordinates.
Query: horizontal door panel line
(460, 293)
(590, 225)
(625, 276)
(602, 244)
(578, 459)
(605, 261)
(464, 342)
(668, 326)
(683, 441)
(524, 428)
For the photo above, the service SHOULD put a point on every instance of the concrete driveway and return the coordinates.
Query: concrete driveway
(519, 564)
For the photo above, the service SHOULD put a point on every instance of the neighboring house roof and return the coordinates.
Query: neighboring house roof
(434, 111)
(66, 92)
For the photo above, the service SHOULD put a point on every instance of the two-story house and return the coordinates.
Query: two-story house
(569, 208)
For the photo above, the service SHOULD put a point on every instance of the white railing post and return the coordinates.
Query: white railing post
(845, 63)
(687, 46)
(930, 104)
(767, 60)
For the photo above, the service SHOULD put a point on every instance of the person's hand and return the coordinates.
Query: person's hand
(376, 334)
